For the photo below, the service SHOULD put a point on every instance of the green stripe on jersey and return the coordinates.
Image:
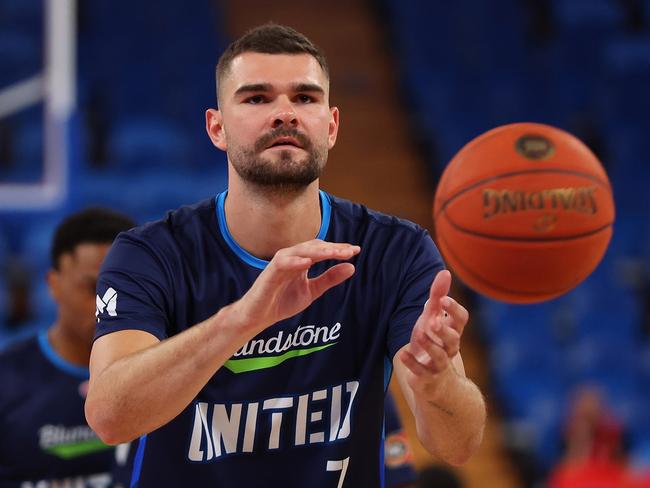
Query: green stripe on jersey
(253, 364)
(76, 449)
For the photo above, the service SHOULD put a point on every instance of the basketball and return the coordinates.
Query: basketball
(523, 213)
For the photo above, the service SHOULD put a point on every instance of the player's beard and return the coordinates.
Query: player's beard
(287, 173)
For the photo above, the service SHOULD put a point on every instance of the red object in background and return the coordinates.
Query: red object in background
(593, 473)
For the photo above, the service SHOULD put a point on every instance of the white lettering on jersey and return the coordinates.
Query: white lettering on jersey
(108, 302)
(223, 436)
(304, 335)
(93, 481)
(54, 435)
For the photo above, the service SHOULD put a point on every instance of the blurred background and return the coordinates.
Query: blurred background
(102, 103)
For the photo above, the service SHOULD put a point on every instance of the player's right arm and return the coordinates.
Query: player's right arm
(138, 383)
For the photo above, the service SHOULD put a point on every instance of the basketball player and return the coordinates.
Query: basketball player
(44, 438)
(254, 333)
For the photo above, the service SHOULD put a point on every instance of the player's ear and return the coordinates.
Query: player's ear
(333, 128)
(215, 129)
(53, 279)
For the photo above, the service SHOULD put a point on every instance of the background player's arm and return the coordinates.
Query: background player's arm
(449, 409)
(138, 383)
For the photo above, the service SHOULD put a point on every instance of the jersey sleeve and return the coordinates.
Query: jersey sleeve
(423, 262)
(133, 289)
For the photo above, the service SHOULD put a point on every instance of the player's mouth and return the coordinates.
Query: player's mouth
(285, 142)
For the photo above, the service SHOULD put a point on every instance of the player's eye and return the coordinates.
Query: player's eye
(305, 99)
(255, 100)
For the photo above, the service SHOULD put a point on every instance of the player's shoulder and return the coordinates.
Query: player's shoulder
(17, 351)
(182, 223)
(182, 219)
(18, 359)
(360, 215)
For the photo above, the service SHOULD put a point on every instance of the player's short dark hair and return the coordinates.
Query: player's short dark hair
(269, 38)
(93, 225)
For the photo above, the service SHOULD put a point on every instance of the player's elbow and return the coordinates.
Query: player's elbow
(460, 456)
(103, 422)
(456, 453)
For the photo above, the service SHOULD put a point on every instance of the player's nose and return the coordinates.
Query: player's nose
(284, 113)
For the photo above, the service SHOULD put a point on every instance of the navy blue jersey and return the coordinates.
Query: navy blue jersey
(301, 403)
(44, 438)
(398, 456)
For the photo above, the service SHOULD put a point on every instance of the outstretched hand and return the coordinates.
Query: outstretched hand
(435, 339)
(283, 289)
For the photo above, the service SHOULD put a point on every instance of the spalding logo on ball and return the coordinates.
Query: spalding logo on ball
(524, 213)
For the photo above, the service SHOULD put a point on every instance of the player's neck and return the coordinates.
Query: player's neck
(264, 222)
(68, 346)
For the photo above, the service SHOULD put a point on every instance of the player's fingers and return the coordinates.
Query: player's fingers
(450, 339)
(440, 287)
(318, 250)
(428, 348)
(436, 357)
(457, 314)
(411, 363)
(335, 275)
(291, 263)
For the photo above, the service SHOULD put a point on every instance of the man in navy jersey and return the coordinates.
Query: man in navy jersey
(44, 438)
(254, 334)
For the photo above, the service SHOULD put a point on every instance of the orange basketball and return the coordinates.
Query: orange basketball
(523, 213)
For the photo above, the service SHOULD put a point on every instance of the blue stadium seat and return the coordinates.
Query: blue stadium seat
(37, 239)
(148, 196)
(23, 13)
(529, 324)
(21, 56)
(141, 145)
(583, 16)
(608, 307)
(12, 11)
(523, 372)
(623, 102)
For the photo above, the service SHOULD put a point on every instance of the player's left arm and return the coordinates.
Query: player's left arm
(449, 409)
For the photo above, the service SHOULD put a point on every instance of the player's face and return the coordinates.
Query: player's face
(73, 288)
(275, 121)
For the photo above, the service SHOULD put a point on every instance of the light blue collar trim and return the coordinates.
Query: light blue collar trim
(58, 361)
(248, 258)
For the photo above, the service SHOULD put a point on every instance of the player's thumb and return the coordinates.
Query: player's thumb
(440, 287)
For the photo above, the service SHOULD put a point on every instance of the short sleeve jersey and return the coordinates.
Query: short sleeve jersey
(44, 438)
(301, 403)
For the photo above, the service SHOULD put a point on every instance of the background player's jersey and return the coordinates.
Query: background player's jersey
(398, 456)
(300, 404)
(44, 438)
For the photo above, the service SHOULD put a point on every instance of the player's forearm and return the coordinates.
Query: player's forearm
(143, 391)
(450, 421)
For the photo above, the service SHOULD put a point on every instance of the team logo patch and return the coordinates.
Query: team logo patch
(69, 442)
(397, 450)
(108, 302)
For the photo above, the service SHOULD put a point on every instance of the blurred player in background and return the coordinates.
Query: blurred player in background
(44, 438)
(243, 346)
